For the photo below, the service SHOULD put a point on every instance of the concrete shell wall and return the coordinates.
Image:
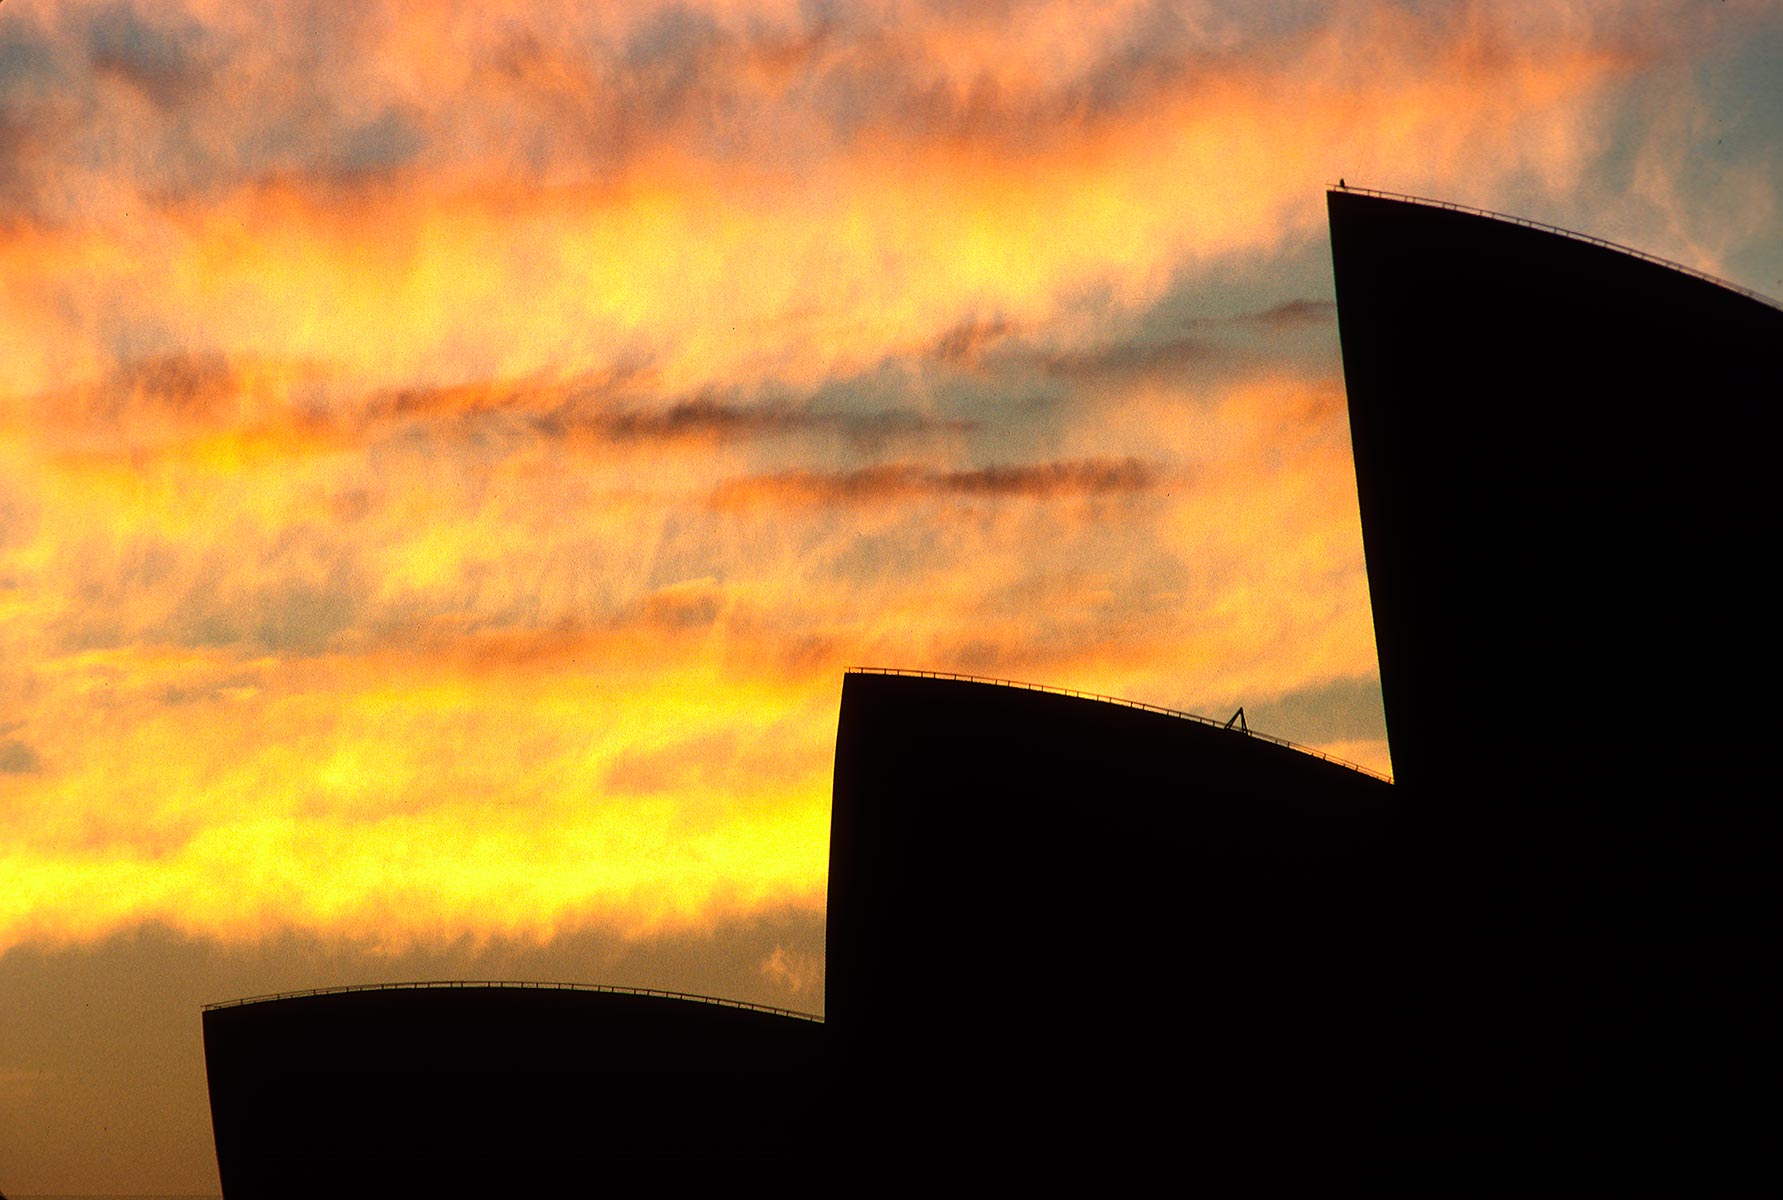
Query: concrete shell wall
(405, 1091)
(1564, 460)
(1055, 910)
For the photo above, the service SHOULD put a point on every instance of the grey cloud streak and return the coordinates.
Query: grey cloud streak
(154, 401)
(18, 758)
(1077, 477)
(584, 95)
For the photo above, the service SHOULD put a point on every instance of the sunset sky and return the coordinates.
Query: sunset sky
(450, 452)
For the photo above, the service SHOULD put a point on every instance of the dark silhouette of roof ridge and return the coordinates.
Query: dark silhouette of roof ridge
(517, 983)
(1245, 731)
(1563, 231)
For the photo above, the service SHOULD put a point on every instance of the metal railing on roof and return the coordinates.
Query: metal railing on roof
(516, 983)
(1573, 234)
(1157, 708)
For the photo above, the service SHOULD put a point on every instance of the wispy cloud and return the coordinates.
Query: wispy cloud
(731, 194)
(447, 456)
(903, 480)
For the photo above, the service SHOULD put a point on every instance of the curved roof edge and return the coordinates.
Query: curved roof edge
(517, 984)
(1571, 234)
(1140, 704)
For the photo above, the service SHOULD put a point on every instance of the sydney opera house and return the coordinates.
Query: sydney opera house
(1075, 939)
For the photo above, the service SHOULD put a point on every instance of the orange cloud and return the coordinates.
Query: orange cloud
(447, 456)
(469, 699)
(650, 195)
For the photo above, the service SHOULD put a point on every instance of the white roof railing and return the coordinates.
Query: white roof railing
(1169, 712)
(516, 983)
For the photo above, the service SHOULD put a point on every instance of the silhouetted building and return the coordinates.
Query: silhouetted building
(1083, 942)
(1011, 869)
(1564, 457)
(501, 1088)
(1563, 464)
(1070, 938)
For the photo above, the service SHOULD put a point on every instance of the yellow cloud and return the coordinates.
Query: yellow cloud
(432, 490)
